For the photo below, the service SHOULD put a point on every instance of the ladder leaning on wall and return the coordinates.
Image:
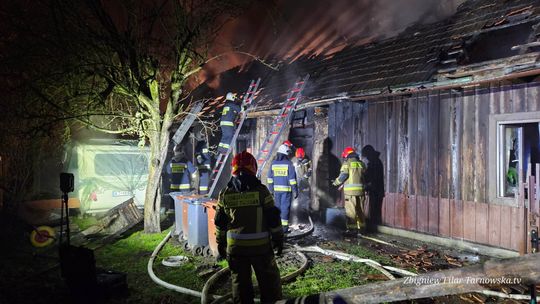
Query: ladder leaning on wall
(247, 101)
(279, 123)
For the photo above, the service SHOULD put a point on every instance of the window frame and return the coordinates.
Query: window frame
(496, 121)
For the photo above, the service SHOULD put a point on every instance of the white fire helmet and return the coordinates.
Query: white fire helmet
(230, 96)
(284, 149)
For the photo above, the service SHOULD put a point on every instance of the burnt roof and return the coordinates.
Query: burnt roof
(416, 58)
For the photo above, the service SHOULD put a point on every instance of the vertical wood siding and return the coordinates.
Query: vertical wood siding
(434, 147)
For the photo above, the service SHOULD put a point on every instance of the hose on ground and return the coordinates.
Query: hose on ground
(285, 279)
(210, 282)
(310, 230)
(160, 281)
(352, 258)
(204, 294)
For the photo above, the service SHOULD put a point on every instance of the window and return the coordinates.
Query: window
(517, 150)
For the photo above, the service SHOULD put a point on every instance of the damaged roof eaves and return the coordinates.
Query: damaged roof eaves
(411, 61)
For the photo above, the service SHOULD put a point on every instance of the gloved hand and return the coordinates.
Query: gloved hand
(277, 244)
(200, 159)
(295, 194)
(222, 252)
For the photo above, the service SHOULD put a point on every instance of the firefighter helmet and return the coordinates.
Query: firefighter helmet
(300, 153)
(244, 162)
(230, 96)
(288, 143)
(284, 149)
(347, 151)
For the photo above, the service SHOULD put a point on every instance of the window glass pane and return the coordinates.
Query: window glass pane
(510, 160)
(519, 152)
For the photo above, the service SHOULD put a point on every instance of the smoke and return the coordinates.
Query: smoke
(287, 30)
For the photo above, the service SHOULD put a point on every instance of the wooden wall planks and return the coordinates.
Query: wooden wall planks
(434, 149)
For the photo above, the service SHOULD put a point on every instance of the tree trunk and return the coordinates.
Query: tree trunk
(152, 200)
(159, 145)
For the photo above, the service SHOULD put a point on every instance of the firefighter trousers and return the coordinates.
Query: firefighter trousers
(204, 181)
(354, 210)
(283, 202)
(267, 274)
(227, 133)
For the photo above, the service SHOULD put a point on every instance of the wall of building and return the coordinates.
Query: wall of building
(434, 147)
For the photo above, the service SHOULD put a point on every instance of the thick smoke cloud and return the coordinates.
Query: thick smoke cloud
(286, 29)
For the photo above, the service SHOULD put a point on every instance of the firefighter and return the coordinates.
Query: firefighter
(282, 183)
(351, 180)
(247, 227)
(204, 164)
(228, 122)
(181, 172)
(302, 166)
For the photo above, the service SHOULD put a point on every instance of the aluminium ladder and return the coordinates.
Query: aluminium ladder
(186, 124)
(222, 157)
(279, 123)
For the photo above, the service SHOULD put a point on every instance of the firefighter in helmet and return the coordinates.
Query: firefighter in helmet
(282, 183)
(247, 227)
(299, 206)
(302, 164)
(181, 171)
(227, 124)
(351, 178)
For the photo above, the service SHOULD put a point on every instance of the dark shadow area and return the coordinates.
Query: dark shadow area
(329, 197)
(374, 185)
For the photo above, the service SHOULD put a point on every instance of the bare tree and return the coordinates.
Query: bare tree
(115, 66)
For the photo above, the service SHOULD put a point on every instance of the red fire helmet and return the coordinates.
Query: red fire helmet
(288, 143)
(347, 151)
(300, 153)
(244, 162)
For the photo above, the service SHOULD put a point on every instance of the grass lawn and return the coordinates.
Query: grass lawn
(131, 255)
(31, 269)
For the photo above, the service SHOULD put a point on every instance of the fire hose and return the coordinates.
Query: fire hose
(204, 295)
(284, 279)
(160, 281)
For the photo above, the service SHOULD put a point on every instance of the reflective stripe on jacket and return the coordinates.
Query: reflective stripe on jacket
(351, 176)
(180, 172)
(282, 176)
(247, 231)
(229, 113)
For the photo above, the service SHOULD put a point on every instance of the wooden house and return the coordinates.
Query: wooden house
(452, 107)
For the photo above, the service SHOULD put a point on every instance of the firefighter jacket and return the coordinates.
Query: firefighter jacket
(303, 167)
(282, 176)
(351, 176)
(202, 154)
(180, 171)
(229, 113)
(246, 218)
